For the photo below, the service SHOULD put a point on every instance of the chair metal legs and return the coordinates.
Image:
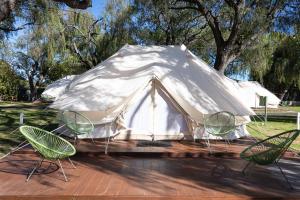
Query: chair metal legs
(72, 163)
(93, 141)
(75, 140)
(208, 145)
(106, 146)
(286, 179)
(62, 169)
(246, 167)
(37, 166)
(226, 140)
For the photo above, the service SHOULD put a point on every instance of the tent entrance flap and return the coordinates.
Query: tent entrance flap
(152, 115)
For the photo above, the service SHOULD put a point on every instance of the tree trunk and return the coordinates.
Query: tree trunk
(284, 91)
(31, 88)
(223, 59)
(6, 7)
(168, 38)
(82, 4)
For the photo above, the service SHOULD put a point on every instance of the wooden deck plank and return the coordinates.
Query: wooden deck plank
(165, 174)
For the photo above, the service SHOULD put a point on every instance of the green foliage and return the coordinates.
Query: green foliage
(157, 24)
(286, 63)
(9, 83)
(258, 59)
(117, 29)
(61, 42)
(283, 73)
(81, 33)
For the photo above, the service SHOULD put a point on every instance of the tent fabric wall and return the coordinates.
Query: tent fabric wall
(153, 115)
(187, 88)
(57, 88)
(252, 91)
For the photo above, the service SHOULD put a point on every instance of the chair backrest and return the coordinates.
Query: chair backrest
(220, 123)
(48, 144)
(77, 122)
(271, 149)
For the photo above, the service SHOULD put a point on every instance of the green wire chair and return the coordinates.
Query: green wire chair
(49, 146)
(219, 124)
(270, 150)
(77, 123)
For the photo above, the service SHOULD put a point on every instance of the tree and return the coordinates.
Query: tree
(14, 11)
(117, 28)
(29, 68)
(284, 70)
(157, 24)
(82, 34)
(8, 6)
(235, 25)
(27, 12)
(89, 41)
(258, 59)
(39, 48)
(9, 82)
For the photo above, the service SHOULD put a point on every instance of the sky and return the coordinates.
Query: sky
(98, 7)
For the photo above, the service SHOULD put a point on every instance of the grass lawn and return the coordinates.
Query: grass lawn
(294, 108)
(280, 109)
(260, 130)
(34, 115)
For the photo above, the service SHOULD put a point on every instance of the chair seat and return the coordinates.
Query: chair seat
(50, 146)
(271, 149)
(77, 123)
(220, 123)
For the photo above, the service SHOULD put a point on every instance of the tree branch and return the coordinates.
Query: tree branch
(81, 57)
(212, 20)
(8, 29)
(236, 20)
(183, 8)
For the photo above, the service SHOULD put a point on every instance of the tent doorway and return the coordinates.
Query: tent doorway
(154, 115)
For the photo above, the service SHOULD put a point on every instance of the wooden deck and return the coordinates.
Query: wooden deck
(134, 170)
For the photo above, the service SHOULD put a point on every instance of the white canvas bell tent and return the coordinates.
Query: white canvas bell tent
(57, 88)
(152, 92)
(254, 94)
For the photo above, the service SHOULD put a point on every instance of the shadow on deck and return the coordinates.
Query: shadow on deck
(135, 170)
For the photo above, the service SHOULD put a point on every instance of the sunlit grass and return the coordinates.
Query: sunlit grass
(294, 108)
(9, 122)
(261, 130)
(36, 115)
